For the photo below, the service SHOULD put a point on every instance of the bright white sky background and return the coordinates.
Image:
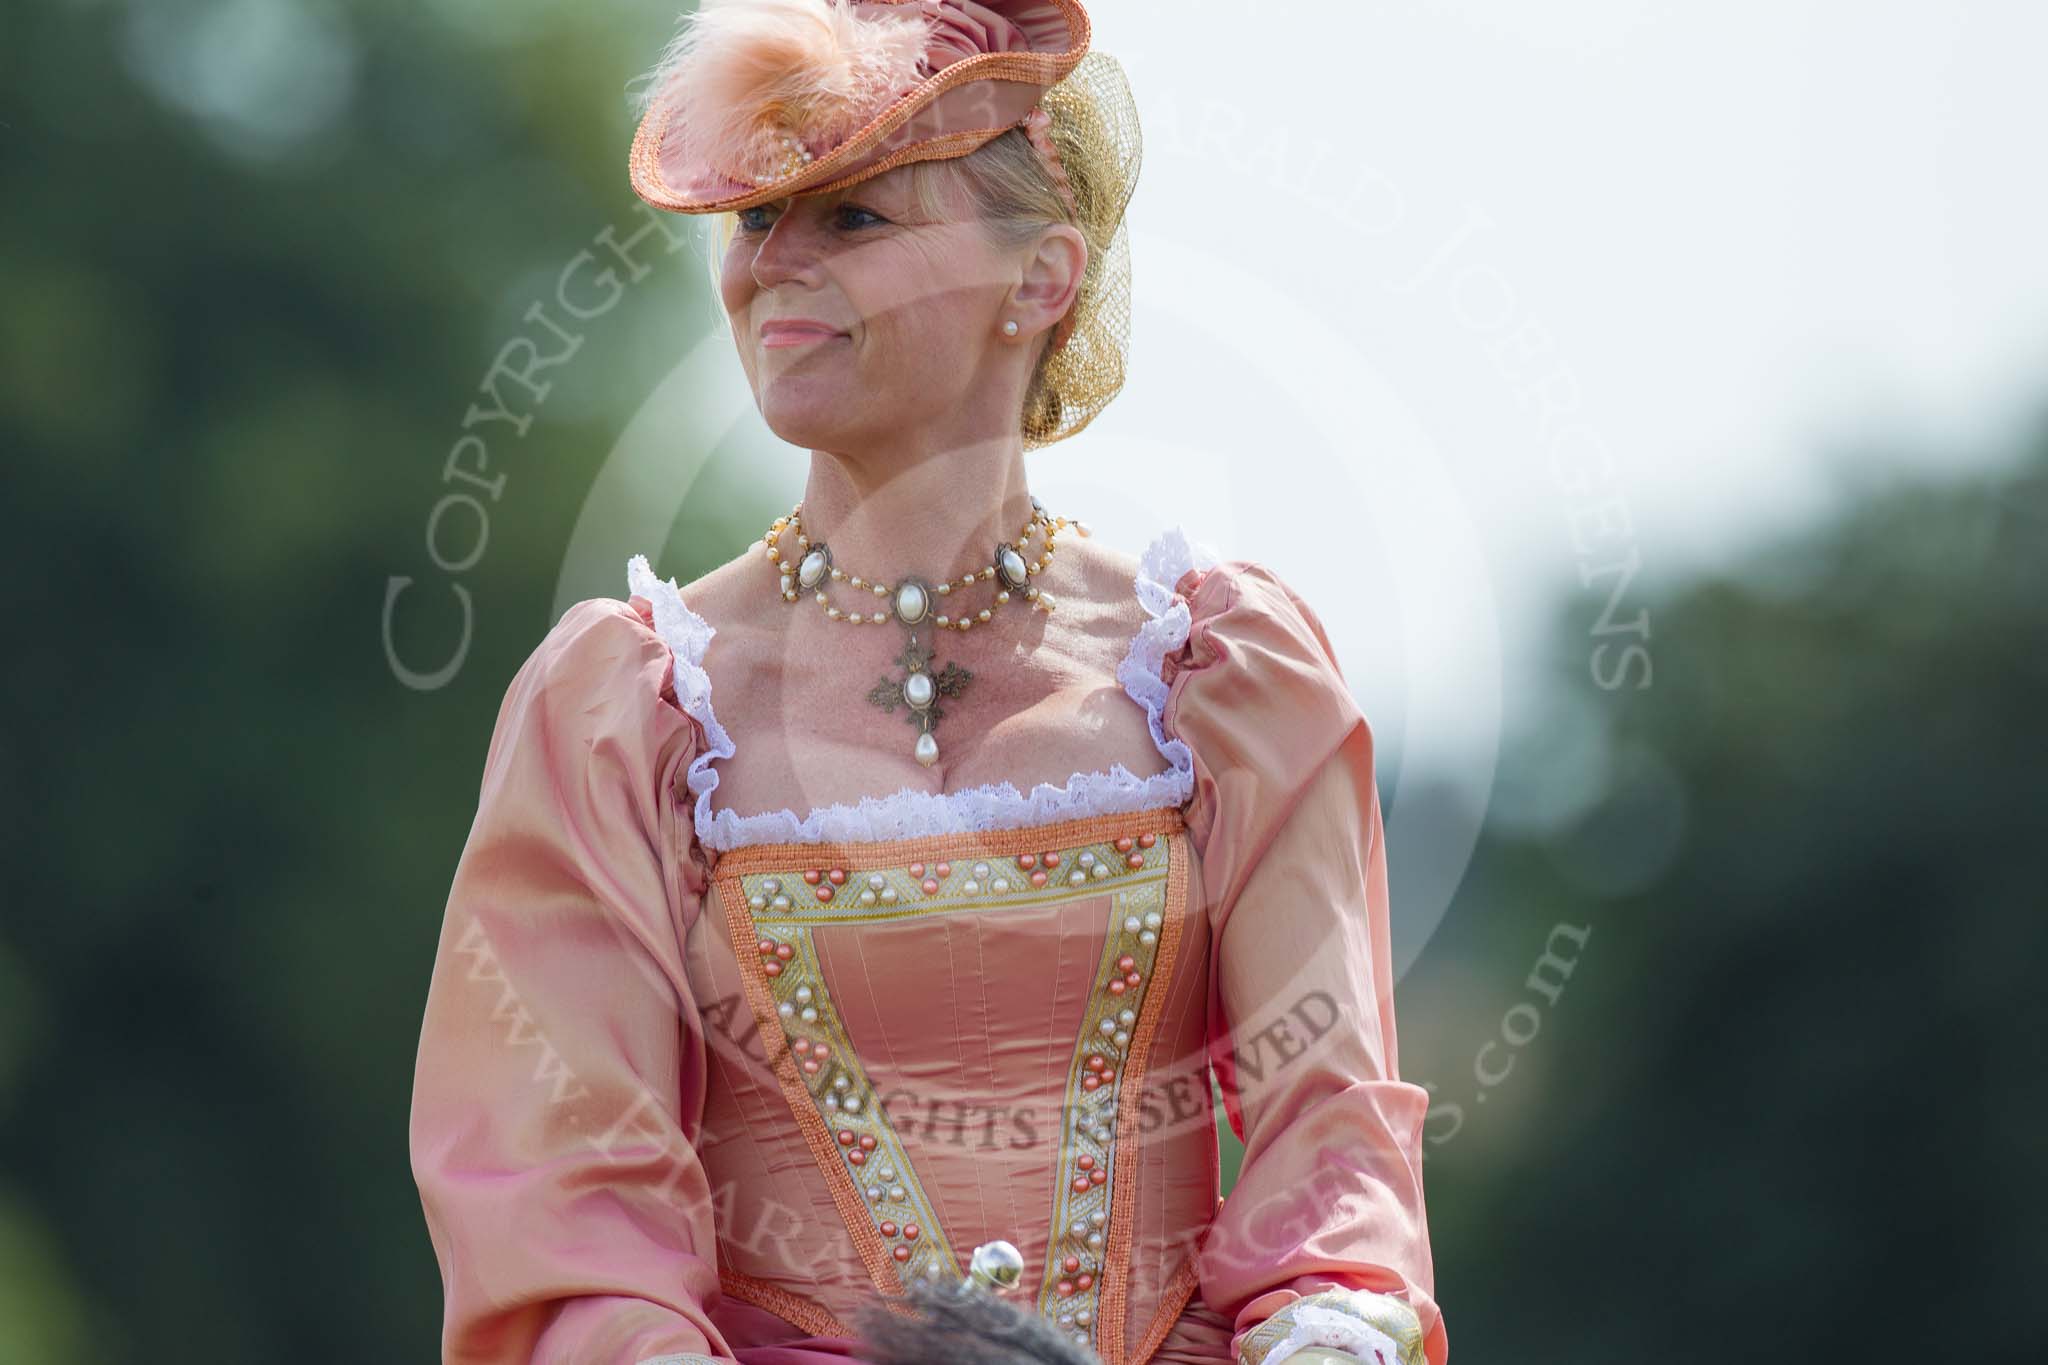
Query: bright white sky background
(1754, 235)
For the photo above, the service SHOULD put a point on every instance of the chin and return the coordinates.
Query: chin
(812, 427)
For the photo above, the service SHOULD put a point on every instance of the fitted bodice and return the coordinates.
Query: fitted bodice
(944, 1019)
(931, 1043)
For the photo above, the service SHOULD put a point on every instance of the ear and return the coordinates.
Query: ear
(1052, 279)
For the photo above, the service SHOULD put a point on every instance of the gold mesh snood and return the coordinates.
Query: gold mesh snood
(1095, 128)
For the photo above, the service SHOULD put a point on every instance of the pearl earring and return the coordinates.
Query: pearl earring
(1010, 328)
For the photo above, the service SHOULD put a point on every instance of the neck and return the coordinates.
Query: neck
(932, 512)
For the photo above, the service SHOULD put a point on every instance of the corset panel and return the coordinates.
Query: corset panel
(931, 1043)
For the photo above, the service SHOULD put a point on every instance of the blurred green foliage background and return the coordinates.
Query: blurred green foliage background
(1786, 1104)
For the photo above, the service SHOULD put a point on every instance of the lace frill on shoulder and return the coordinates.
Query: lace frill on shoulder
(998, 805)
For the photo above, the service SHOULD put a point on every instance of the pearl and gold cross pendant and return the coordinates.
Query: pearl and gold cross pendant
(919, 690)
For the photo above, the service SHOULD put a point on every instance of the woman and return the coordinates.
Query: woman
(916, 952)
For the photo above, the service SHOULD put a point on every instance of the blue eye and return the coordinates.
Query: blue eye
(750, 224)
(847, 212)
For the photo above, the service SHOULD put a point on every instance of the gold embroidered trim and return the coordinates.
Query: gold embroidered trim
(1095, 1199)
(892, 1223)
(1384, 1312)
(775, 895)
(1130, 1103)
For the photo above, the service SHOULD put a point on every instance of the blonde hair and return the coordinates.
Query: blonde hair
(1013, 197)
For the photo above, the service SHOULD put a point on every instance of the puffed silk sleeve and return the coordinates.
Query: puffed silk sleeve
(561, 1069)
(1324, 1237)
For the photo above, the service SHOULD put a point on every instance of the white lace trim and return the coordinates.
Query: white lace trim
(997, 805)
(1318, 1326)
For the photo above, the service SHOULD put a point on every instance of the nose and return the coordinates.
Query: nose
(788, 252)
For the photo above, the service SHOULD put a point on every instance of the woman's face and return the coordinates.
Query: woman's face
(861, 319)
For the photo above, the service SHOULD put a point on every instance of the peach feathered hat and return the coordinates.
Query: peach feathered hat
(759, 99)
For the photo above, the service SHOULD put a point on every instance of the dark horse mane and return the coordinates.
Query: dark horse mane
(958, 1325)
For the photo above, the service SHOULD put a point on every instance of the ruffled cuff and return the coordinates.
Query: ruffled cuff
(1380, 1329)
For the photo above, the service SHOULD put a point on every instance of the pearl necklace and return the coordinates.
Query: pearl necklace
(919, 689)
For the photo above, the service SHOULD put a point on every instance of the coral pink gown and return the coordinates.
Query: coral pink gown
(696, 1086)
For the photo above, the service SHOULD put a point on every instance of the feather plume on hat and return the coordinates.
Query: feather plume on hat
(755, 84)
